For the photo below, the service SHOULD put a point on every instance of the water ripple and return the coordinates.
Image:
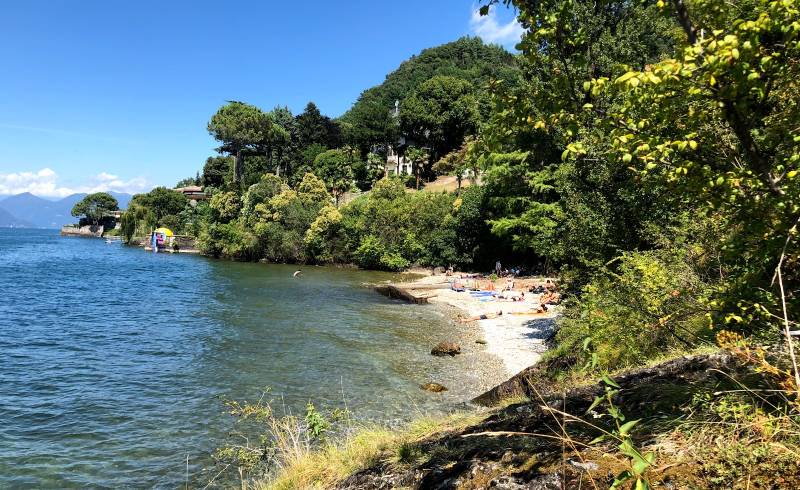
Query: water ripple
(113, 359)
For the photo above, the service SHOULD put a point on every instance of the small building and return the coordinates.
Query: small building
(396, 161)
(193, 192)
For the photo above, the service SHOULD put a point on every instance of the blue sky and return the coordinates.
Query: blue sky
(115, 95)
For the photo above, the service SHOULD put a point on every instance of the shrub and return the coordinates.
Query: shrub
(369, 253)
(651, 302)
(393, 262)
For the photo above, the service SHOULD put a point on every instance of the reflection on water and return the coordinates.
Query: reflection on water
(113, 359)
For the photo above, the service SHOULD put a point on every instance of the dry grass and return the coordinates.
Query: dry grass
(301, 467)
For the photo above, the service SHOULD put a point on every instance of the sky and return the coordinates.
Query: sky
(102, 95)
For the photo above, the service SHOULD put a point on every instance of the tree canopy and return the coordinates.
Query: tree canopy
(239, 127)
(95, 206)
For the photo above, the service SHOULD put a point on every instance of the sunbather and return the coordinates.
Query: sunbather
(511, 295)
(540, 310)
(485, 316)
(550, 298)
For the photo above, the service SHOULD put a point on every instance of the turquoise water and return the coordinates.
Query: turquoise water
(112, 359)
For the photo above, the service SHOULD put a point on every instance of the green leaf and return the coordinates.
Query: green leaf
(627, 426)
(627, 158)
(621, 479)
(610, 382)
(598, 439)
(597, 401)
(639, 465)
(484, 10)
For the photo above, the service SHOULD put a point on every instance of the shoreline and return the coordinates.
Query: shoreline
(518, 340)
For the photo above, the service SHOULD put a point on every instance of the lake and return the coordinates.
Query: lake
(112, 360)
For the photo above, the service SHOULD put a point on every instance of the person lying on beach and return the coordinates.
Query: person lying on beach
(485, 316)
(511, 295)
(550, 298)
(540, 310)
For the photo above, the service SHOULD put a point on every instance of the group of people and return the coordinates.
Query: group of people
(549, 296)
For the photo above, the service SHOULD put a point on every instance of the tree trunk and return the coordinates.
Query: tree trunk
(238, 167)
(685, 21)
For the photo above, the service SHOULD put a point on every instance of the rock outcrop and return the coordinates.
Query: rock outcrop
(446, 349)
(433, 387)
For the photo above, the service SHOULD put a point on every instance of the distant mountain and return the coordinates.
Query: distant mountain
(7, 220)
(42, 213)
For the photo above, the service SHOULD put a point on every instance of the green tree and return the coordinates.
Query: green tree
(370, 121)
(335, 168)
(240, 128)
(225, 206)
(315, 128)
(440, 113)
(728, 144)
(418, 158)
(284, 140)
(216, 171)
(161, 202)
(189, 181)
(95, 206)
(268, 187)
(312, 190)
(322, 237)
(136, 219)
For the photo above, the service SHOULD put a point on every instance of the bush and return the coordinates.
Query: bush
(651, 302)
(369, 253)
(393, 262)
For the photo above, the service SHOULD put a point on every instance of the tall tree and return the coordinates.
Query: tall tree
(315, 128)
(335, 168)
(215, 171)
(285, 137)
(239, 127)
(440, 113)
(370, 122)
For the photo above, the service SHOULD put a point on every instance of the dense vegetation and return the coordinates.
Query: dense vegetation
(293, 188)
(647, 151)
(655, 168)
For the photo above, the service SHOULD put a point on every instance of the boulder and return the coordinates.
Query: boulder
(446, 349)
(433, 387)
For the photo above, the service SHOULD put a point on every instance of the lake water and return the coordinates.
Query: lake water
(112, 359)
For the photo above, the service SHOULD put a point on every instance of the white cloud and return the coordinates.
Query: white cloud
(44, 183)
(491, 30)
